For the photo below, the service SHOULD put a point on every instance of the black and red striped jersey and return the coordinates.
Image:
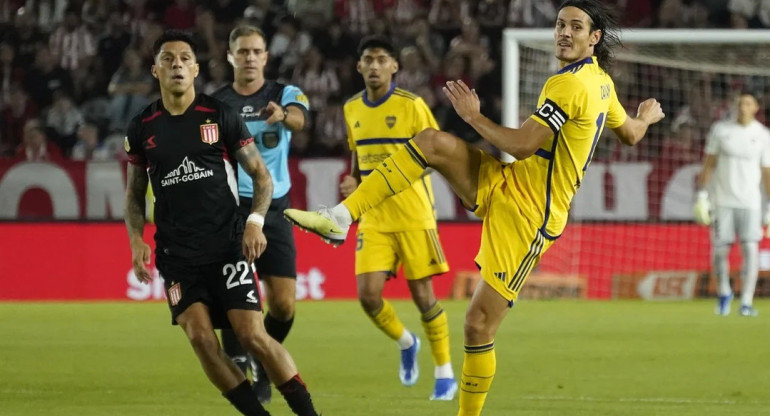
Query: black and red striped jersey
(190, 160)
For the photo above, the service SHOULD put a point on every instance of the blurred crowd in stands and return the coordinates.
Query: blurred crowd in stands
(74, 72)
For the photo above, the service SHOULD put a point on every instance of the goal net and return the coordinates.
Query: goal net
(631, 232)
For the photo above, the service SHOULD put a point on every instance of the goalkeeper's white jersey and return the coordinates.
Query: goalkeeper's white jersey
(741, 152)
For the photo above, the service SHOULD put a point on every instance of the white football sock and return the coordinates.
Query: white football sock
(406, 340)
(342, 215)
(749, 272)
(722, 269)
(444, 371)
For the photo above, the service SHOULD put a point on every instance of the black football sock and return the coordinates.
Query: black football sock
(296, 395)
(277, 329)
(245, 401)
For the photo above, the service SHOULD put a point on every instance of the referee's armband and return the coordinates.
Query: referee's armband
(552, 114)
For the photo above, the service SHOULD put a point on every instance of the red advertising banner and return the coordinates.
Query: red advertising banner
(617, 191)
(92, 261)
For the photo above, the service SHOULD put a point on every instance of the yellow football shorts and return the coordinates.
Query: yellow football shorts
(511, 245)
(419, 251)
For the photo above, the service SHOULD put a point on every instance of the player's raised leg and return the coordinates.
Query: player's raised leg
(382, 314)
(222, 372)
(454, 159)
(482, 319)
(248, 326)
(436, 326)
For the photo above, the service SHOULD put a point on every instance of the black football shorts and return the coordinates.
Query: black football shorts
(280, 256)
(225, 285)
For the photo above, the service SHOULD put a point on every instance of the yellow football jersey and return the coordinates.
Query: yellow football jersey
(375, 131)
(575, 103)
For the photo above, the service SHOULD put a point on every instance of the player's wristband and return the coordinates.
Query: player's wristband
(255, 218)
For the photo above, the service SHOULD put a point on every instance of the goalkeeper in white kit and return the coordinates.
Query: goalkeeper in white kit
(738, 156)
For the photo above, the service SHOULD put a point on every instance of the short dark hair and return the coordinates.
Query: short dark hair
(602, 18)
(750, 93)
(377, 41)
(245, 30)
(173, 35)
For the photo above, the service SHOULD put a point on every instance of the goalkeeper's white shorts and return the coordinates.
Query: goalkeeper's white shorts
(730, 222)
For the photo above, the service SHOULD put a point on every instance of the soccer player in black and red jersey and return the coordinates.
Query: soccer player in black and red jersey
(188, 145)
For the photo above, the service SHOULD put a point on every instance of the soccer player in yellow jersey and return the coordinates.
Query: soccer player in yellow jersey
(524, 204)
(402, 230)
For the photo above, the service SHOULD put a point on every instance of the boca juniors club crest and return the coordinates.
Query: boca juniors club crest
(390, 121)
(210, 133)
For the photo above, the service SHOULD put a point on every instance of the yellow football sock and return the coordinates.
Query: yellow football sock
(388, 322)
(437, 330)
(393, 175)
(478, 372)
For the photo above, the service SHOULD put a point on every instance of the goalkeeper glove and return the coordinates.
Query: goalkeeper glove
(702, 209)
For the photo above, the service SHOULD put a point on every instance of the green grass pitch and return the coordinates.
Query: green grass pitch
(553, 358)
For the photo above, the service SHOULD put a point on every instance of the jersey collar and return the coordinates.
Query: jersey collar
(192, 105)
(261, 89)
(381, 100)
(572, 66)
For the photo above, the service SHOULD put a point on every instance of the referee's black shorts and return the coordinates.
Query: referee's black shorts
(279, 259)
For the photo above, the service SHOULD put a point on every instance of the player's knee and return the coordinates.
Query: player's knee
(370, 302)
(426, 140)
(255, 342)
(721, 251)
(476, 329)
(433, 143)
(203, 342)
(282, 309)
(422, 292)
(424, 301)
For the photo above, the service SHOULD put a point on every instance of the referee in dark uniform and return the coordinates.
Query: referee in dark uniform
(189, 145)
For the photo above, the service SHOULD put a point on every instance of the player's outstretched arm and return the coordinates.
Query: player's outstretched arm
(521, 143)
(254, 241)
(633, 129)
(136, 189)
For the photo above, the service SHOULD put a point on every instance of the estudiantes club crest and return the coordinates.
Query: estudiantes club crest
(210, 133)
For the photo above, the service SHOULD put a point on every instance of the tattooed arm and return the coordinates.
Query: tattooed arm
(254, 241)
(251, 162)
(136, 189)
